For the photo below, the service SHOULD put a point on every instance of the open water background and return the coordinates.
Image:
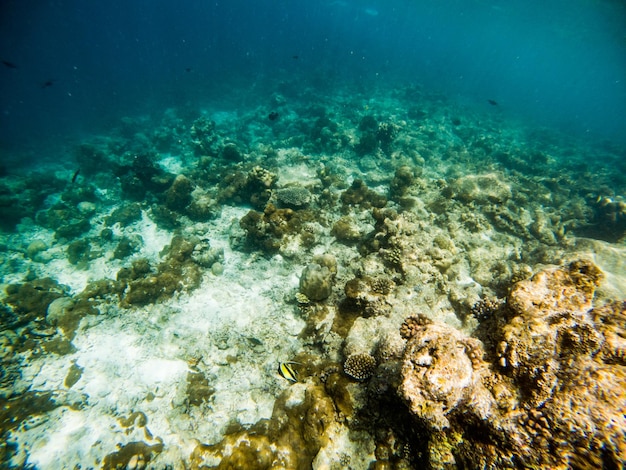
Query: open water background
(554, 63)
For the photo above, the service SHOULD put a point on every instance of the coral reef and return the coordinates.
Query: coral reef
(486, 308)
(204, 137)
(436, 219)
(403, 179)
(254, 187)
(556, 385)
(273, 229)
(231, 152)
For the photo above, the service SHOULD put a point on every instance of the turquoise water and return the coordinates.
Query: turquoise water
(195, 199)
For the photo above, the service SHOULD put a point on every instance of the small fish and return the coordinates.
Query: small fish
(273, 116)
(287, 372)
(492, 102)
(8, 64)
(48, 83)
(76, 173)
(188, 69)
(295, 57)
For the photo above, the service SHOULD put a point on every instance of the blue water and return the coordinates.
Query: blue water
(560, 64)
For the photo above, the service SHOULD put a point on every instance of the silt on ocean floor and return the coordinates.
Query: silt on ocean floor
(379, 281)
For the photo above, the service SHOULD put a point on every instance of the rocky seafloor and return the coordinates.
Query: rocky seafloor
(447, 284)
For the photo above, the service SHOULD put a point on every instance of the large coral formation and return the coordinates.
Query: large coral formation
(558, 383)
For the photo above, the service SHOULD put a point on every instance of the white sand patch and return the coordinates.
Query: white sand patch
(171, 164)
(302, 173)
(234, 327)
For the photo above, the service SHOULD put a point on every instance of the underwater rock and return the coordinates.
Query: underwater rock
(178, 196)
(11, 209)
(134, 455)
(177, 272)
(231, 153)
(91, 159)
(165, 218)
(358, 194)
(316, 281)
(368, 144)
(442, 376)
(65, 313)
(198, 389)
(124, 215)
(552, 292)
(260, 178)
(30, 300)
(202, 207)
(79, 252)
(34, 248)
(482, 189)
(346, 230)
(403, 179)
(79, 193)
(274, 228)
(204, 137)
(609, 219)
(254, 187)
(72, 230)
(386, 133)
(206, 256)
(126, 247)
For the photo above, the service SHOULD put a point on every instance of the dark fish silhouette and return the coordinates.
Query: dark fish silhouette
(188, 69)
(295, 57)
(492, 102)
(8, 64)
(76, 173)
(273, 116)
(48, 83)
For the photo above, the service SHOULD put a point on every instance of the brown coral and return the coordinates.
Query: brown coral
(486, 308)
(440, 377)
(563, 387)
(413, 324)
(359, 366)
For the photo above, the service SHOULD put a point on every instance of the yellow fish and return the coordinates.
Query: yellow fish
(288, 372)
